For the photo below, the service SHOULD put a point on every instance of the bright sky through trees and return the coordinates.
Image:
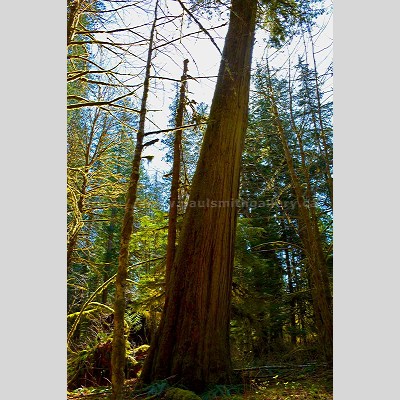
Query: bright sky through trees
(204, 61)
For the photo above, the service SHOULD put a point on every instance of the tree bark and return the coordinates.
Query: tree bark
(176, 169)
(73, 11)
(192, 342)
(118, 345)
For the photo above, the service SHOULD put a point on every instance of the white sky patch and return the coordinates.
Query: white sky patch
(204, 60)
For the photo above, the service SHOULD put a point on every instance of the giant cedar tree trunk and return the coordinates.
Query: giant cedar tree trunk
(192, 342)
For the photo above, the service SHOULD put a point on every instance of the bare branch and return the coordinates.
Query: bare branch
(174, 129)
(100, 42)
(201, 26)
(150, 143)
(187, 35)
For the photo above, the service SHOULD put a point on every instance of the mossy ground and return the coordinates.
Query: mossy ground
(315, 386)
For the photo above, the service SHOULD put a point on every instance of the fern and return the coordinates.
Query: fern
(158, 387)
(219, 391)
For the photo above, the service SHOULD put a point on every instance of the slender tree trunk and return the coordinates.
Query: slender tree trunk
(118, 346)
(292, 302)
(311, 239)
(192, 342)
(319, 132)
(176, 170)
(321, 125)
(72, 241)
(300, 302)
(109, 254)
(72, 16)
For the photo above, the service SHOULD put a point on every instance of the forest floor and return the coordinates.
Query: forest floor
(299, 385)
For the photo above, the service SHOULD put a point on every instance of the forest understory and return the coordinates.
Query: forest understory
(293, 382)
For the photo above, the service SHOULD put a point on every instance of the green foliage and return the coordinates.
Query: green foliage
(258, 311)
(283, 19)
(150, 238)
(141, 349)
(222, 391)
(149, 242)
(98, 155)
(180, 394)
(90, 363)
(157, 388)
(81, 370)
(271, 298)
(278, 17)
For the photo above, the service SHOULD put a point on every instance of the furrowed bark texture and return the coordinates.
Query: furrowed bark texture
(192, 342)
